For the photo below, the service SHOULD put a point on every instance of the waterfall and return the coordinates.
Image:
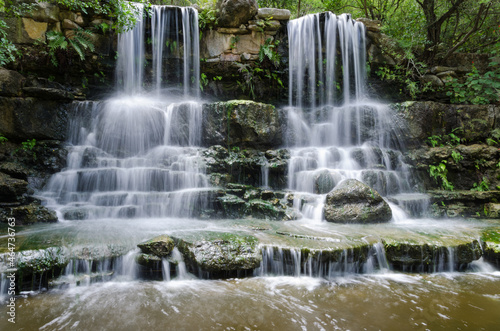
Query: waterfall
(334, 130)
(159, 30)
(136, 154)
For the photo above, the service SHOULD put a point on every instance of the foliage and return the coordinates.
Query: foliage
(8, 50)
(451, 139)
(478, 89)
(483, 186)
(3, 139)
(440, 172)
(268, 50)
(207, 14)
(456, 156)
(80, 42)
(28, 146)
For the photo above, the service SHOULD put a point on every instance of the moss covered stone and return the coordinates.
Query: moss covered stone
(160, 246)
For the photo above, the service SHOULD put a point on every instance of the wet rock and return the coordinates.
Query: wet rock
(265, 210)
(241, 123)
(354, 202)
(233, 13)
(41, 261)
(148, 260)
(232, 205)
(160, 246)
(29, 214)
(491, 243)
(12, 189)
(75, 214)
(220, 254)
(431, 258)
(323, 182)
(11, 82)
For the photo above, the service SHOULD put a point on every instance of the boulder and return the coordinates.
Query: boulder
(160, 246)
(351, 201)
(274, 13)
(11, 82)
(233, 13)
(220, 254)
(241, 123)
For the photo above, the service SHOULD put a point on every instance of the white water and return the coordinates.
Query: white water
(136, 155)
(334, 130)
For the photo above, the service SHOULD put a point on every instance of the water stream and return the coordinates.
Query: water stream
(135, 171)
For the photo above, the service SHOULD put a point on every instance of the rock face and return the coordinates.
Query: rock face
(233, 13)
(160, 246)
(241, 123)
(33, 118)
(354, 202)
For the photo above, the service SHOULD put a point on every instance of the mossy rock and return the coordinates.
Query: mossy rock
(160, 246)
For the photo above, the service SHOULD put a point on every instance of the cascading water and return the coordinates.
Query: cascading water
(334, 130)
(135, 154)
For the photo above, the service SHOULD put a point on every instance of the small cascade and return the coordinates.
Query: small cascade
(277, 261)
(334, 130)
(137, 155)
(84, 272)
(180, 269)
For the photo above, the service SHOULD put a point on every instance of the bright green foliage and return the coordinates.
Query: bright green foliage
(483, 186)
(3, 139)
(456, 156)
(478, 89)
(207, 15)
(80, 42)
(440, 172)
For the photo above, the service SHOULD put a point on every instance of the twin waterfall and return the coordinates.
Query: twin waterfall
(137, 154)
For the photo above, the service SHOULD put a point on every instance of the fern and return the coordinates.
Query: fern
(80, 42)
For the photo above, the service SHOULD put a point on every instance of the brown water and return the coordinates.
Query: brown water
(388, 301)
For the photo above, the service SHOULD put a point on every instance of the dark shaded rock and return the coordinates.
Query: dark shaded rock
(265, 210)
(160, 246)
(232, 205)
(11, 83)
(11, 189)
(463, 203)
(48, 93)
(233, 13)
(29, 118)
(354, 202)
(220, 254)
(425, 119)
(241, 123)
(431, 258)
(28, 214)
(148, 260)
